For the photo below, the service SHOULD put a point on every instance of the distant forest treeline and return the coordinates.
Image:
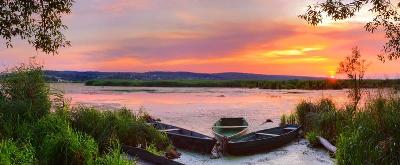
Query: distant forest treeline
(74, 76)
(263, 84)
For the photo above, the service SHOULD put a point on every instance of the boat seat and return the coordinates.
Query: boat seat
(268, 134)
(290, 128)
(230, 126)
(167, 130)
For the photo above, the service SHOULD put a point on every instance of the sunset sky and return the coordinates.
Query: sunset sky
(254, 36)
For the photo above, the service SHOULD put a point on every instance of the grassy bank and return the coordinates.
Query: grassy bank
(368, 135)
(263, 84)
(39, 127)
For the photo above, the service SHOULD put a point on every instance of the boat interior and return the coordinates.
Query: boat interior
(268, 133)
(176, 130)
(233, 122)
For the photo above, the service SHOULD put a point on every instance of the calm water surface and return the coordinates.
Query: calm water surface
(198, 108)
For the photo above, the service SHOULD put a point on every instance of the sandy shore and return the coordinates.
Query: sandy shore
(296, 152)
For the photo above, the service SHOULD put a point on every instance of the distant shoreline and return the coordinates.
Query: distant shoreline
(262, 84)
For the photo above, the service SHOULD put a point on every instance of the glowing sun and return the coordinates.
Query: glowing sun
(332, 74)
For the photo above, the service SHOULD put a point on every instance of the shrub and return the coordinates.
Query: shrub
(68, 147)
(308, 113)
(24, 99)
(326, 125)
(323, 118)
(122, 124)
(325, 105)
(57, 142)
(312, 138)
(53, 123)
(12, 153)
(18, 130)
(304, 112)
(24, 93)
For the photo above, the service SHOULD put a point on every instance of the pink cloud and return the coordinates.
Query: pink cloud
(121, 6)
(216, 41)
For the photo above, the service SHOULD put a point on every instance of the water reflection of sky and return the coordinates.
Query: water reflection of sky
(198, 108)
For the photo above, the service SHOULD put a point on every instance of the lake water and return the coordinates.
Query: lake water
(198, 108)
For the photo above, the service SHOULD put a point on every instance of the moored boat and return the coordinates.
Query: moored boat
(186, 139)
(263, 140)
(230, 128)
(147, 156)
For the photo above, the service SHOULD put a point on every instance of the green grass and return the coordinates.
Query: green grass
(312, 138)
(68, 147)
(288, 119)
(114, 157)
(373, 135)
(263, 84)
(31, 133)
(24, 94)
(153, 149)
(368, 135)
(129, 128)
(326, 125)
(13, 153)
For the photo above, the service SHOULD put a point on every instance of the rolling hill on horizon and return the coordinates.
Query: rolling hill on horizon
(80, 76)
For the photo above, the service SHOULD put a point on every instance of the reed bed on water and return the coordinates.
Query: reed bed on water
(262, 84)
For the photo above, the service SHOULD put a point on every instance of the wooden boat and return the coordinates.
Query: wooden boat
(148, 156)
(230, 127)
(263, 140)
(186, 139)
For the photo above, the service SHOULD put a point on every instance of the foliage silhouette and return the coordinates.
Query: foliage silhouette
(385, 14)
(38, 21)
(354, 67)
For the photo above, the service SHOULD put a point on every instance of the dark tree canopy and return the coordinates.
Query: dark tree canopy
(385, 14)
(37, 21)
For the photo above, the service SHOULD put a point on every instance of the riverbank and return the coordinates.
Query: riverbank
(296, 152)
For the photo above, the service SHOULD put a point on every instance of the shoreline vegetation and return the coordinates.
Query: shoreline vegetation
(40, 127)
(366, 135)
(262, 84)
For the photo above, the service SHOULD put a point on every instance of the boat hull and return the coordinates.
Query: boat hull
(249, 144)
(186, 139)
(147, 156)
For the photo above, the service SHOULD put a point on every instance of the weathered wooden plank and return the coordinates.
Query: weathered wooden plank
(268, 134)
(327, 144)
